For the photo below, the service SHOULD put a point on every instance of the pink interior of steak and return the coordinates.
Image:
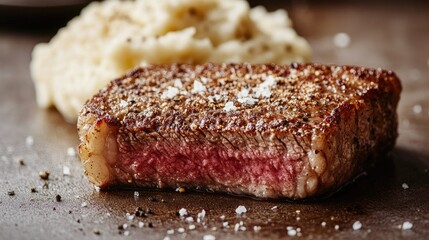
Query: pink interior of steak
(262, 173)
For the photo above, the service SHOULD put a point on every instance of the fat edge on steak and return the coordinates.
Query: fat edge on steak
(270, 131)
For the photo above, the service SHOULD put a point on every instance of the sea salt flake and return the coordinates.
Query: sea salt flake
(274, 208)
(66, 171)
(256, 228)
(183, 212)
(229, 106)
(198, 87)
(225, 224)
(323, 224)
(29, 140)
(247, 101)
(84, 204)
(123, 104)
(336, 227)
(191, 227)
(201, 215)
(178, 83)
(341, 40)
(166, 238)
(209, 237)
(236, 227)
(141, 224)
(407, 225)
(126, 233)
(291, 233)
(240, 210)
(417, 109)
(129, 216)
(71, 152)
(170, 93)
(181, 230)
(405, 186)
(357, 225)
(243, 93)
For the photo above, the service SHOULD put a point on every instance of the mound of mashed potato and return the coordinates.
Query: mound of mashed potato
(111, 37)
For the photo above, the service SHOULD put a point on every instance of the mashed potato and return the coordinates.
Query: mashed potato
(112, 37)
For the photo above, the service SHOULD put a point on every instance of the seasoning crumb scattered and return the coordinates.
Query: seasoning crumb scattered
(45, 186)
(229, 106)
(181, 190)
(97, 232)
(84, 204)
(21, 162)
(58, 198)
(357, 225)
(191, 227)
(33, 190)
(336, 227)
(405, 186)
(291, 233)
(201, 215)
(323, 224)
(170, 231)
(256, 228)
(136, 194)
(11, 193)
(151, 199)
(181, 230)
(407, 225)
(240, 210)
(274, 208)
(189, 219)
(150, 225)
(166, 238)
(44, 175)
(126, 233)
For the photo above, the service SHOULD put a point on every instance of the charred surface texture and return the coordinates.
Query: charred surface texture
(268, 131)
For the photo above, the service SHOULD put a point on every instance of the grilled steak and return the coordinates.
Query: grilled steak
(269, 131)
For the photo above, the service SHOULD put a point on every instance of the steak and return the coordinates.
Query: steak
(269, 131)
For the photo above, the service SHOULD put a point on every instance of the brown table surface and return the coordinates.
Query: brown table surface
(395, 37)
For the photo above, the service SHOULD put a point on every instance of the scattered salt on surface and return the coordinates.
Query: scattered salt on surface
(222, 217)
(201, 215)
(407, 225)
(123, 104)
(274, 208)
(66, 171)
(341, 40)
(191, 227)
(29, 140)
(141, 224)
(337, 227)
(323, 224)
(71, 152)
(225, 224)
(243, 93)
(170, 231)
(236, 227)
(183, 212)
(417, 109)
(247, 101)
(240, 210)
(405, 186)
(357, 225)
(170, 93)
(166, 238)
(189, 219)
(178, 83)
(291, 232)
(209, 237)
(198, 87)
(229, 106)
(256, 228)
(84, 204)
(129, 216)
(126, 233)
(136, 194)
(181, 230)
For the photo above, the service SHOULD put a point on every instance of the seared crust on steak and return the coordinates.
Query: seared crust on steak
(263, 130)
